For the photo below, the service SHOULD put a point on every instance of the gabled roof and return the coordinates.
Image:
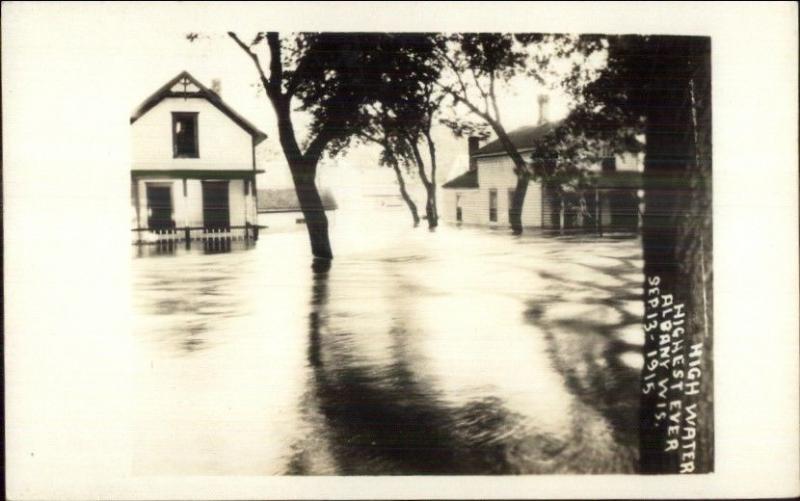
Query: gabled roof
(468, 179)
(204, 92)
(524, 138)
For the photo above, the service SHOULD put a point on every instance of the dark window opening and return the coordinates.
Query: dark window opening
(609, 164)
(510, 202)
(493, 205)
(216, 208)
(184, 135)
(459, 215)
(159, 206)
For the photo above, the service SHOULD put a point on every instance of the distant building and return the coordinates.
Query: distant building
(482, 195)
(193, 172)
(285, 200)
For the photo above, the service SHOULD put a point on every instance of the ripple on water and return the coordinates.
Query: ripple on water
(632, 334)
(583, 313)
(632, 359)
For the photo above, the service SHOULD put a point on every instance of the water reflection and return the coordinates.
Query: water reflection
(163, 248)
(457, 352)
(379, 420)
(219, 245)
(382, 412)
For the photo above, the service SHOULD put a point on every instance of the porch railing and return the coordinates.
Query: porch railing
(194, 233)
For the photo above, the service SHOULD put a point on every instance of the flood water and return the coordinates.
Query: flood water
(462, 351)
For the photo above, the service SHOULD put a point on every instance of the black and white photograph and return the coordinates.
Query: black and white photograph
(292, 250)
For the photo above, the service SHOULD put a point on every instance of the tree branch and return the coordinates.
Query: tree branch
(432, 153)
(493, 97)
(418, 160)
(483, 93)
(456, 72)
(275, 63)
(317, 145)
(369, 137)
(264, 80)
(297, 77)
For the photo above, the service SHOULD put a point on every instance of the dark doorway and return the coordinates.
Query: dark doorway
(159, 207)
(624, 206)
(216, 209)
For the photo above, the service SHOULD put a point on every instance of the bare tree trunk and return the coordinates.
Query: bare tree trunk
(430, 207)
(412, 207)
(302, 166)
(523, 177)
(304, 170)
(430, 188)
(676, 434)
(313, 209)
(517, 201)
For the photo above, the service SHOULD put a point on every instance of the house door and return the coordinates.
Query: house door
(216, 209)
(159, 206)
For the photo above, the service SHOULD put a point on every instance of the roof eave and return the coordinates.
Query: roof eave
(500, 153)
(163, 92)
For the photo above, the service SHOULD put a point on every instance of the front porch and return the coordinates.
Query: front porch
(186, 206)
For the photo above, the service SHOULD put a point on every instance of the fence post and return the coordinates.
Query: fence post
(598, 211)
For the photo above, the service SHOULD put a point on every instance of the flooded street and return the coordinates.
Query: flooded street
(463, 351)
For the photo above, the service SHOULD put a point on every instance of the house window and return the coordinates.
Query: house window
(459, 215)
(184, 135)
(493, 205)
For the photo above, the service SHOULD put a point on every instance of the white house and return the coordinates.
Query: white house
(482, 195)
(193, 172)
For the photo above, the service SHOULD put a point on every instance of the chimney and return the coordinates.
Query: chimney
(474, 145)
(216, 86)
(544, 102)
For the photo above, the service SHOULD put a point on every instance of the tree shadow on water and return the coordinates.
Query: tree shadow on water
(380, 418)
(591, 348)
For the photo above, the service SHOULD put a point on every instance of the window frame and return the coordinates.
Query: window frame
(179, 115)
(493, 206)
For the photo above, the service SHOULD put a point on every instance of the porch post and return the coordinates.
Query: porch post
(598, 206)
(135, 183)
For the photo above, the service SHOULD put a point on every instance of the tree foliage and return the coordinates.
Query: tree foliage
(401, 121)
(334, 78)
(475, 66)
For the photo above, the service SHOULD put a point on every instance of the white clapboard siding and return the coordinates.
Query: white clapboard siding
(236, 202)
(470, 205)
(222, 144)
(498, 173)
